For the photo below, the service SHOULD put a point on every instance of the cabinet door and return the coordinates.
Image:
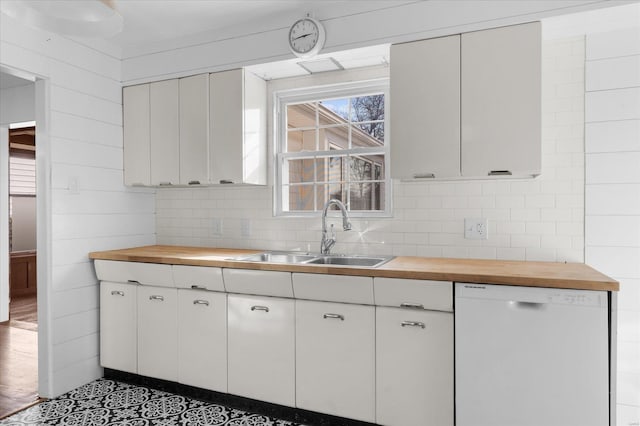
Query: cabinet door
(194, 129)
(135, 104)
(501, 95)
(226, 96)
(164, 152)
(425, 108)
(261, 348)
(202, 339)
(158, 332)
(335, 353)
(118, 322)
(414, 367)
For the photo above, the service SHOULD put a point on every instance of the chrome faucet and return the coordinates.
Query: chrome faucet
(326, 243)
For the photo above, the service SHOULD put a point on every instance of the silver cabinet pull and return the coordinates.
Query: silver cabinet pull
(260, 308)
(117, 293)
(412, 324)
(133, 281)
(201, 302)
(333, 316)
(412, 305)
(194, 182)
(226, 181)
(424, 176)
(155, 297)
(164, 184)
(500, 173)
(196, 287)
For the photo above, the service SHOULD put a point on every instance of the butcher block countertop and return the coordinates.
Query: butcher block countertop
(530, 274)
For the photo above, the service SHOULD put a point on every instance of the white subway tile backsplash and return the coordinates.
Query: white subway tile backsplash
(540, 255)
(511, 253)
(525, 241)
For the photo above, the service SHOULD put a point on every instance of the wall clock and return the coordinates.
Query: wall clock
(306, 37)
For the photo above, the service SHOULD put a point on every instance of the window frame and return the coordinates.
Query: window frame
(282, 98)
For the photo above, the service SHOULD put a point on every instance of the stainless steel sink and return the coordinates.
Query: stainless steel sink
(346, 260)
(278, 257)
(315, 259)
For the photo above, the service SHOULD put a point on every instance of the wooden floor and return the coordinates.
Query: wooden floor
(19, 357)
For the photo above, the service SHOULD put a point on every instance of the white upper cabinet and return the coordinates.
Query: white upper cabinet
(467, 105)
(203, 129)
(194, 130)
(501, 91)
(163, 131)
(425, 108)
(238, 150)
(137, 167)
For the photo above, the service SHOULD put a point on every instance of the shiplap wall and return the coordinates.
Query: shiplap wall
(540, 219)
(612, 232)
(84, 147)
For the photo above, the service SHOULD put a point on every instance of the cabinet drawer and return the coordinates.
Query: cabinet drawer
(143, 273)
(333, 288)
(264, 283)
(198, 277)
(434, 295)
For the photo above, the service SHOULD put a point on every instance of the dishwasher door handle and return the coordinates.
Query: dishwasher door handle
(527, 305)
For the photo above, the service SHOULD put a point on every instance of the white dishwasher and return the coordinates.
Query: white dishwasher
(531, 356)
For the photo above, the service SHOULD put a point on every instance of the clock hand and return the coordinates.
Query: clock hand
(302, 36)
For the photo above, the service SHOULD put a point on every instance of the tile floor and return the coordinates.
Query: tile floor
(108, 402)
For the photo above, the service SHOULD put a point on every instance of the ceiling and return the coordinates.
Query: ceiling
(162, 25)
(148, 23)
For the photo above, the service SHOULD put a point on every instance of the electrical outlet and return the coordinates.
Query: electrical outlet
(216, 227)
(245, 227)
(476, 228)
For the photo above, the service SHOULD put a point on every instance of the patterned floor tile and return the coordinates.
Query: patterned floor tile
(112, 403)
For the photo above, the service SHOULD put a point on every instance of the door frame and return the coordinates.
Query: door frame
(4, 223)
(43, 223)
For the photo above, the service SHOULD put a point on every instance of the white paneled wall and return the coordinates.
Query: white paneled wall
(612, 232)
(540, 219)
(88, 206)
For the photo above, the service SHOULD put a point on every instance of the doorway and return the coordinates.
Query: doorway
(19, 333)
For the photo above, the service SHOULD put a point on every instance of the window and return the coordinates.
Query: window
(332, 144)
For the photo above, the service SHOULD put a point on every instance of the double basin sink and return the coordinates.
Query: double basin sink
(316, 259)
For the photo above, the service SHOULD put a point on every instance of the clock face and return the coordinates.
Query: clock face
(306, 37)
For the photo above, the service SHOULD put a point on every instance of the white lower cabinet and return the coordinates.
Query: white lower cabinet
(202, 339)
(261, 348)
(158, 332)
(118, 333)
(335, 359)
(414, 367)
